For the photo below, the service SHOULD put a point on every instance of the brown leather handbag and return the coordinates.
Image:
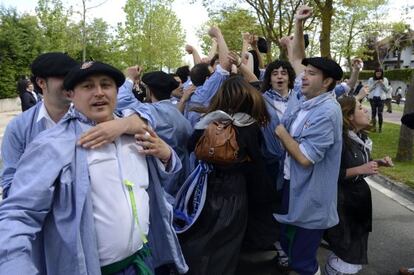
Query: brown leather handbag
(218, 144)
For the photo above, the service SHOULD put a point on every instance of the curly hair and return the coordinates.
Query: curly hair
(276, 65)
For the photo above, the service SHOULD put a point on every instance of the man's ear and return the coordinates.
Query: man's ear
(327, 82)
(41, 82)
(69, 94)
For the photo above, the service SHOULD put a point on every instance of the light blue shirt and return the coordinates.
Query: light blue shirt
(50, 202)
(168, 123)
(313, 189)
(203, 94)
(19, 133)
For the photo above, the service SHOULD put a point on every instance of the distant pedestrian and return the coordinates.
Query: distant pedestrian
(29, 98)
(378, 90)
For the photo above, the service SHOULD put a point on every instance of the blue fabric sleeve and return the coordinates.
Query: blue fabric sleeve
(12, 149)
(318, 137)
(125, 96)
(23, 212)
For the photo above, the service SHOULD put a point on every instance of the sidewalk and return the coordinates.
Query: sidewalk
(5, 118)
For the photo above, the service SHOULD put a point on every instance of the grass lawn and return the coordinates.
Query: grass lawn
(386, 143)
(395, 106)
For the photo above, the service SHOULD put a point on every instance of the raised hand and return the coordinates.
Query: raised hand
(189, 49)
(214, 32)
(303, 13)
(133, 72)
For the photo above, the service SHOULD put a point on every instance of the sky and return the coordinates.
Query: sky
(192, 16)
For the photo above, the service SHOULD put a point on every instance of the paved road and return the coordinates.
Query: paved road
(391, 243)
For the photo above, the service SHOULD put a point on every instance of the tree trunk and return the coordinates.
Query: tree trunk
(269, 51)
(405, 143)
(325, 36)
(398, 66)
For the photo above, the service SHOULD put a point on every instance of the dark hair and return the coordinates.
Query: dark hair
(199, 74)
(237, 95)
(348, 106)
(160, 94)
(22, 84)
(183, 73)
(375, 74)
(35, 85)
(332, 85)
(214, 59)
(276, 65)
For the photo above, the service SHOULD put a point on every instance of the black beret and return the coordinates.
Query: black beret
(329, 67)
(52, 64)
(262, 45)
(160, 81)
(81, 72)
(408, 120)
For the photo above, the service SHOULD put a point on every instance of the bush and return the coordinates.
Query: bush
(392, 75)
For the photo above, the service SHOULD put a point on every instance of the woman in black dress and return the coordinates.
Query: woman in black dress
(212, 244)
(349, 239)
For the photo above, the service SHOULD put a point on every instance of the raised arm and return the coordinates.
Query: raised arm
(213, 49)
(246, 41)
(248, 75)
(297, 53)
(192, 50)
(215, 32)
(356, 69)
(255, 39)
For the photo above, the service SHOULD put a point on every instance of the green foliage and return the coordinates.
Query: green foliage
(397, 74)
(386, 144)
(232, 23)
(151, 36)
(353, 21)
(19, 45)
(53, 22)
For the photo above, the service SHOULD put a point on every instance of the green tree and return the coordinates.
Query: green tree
(353, 22)
(232, 23)
(54, 20)
(401, 37)
(19, 45)
(151, 35)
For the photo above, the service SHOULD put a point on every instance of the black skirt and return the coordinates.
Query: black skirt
(349, 239)
(212, 245)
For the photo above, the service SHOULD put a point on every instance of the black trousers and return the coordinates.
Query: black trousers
(377, 107)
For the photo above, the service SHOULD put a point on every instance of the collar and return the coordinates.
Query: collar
(238, 119)
(311, 103)
(43, 114)
(275, 95)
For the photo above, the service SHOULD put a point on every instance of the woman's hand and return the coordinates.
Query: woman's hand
(369, 168)
(385, 161)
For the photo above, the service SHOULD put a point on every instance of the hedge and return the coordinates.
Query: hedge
(396, 74)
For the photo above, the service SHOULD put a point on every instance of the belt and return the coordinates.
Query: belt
(136, 259)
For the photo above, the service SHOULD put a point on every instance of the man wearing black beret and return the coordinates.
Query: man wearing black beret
(311, 134)
(163, 116)
(48, 73)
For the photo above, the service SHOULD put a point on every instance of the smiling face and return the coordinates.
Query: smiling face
(279, 80)
(95, 97)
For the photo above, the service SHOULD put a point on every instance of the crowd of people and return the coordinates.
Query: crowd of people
(129, 173)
